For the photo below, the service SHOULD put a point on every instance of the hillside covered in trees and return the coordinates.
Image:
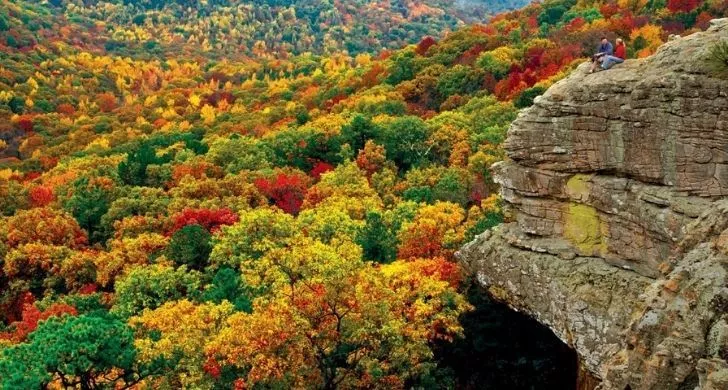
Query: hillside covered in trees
(184, 207)
(235, 28)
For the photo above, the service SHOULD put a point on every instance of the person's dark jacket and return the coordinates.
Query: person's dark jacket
(606, 48)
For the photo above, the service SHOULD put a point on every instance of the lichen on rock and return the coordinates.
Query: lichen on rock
(617, 184)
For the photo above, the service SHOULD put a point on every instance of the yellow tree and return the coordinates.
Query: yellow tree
(329, 320)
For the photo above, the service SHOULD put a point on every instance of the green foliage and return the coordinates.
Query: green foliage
(377, 239)
(88, 205)
(489, 221)
(358, 131)
(191, 246)
(717, 59)
(525, 99)
(553, 11)
(133, 171)
(240, 153)
(459, 80)
(150, 287)
(402, 68)
(85, 351)
(228, 285)
(452, 187)
(404, 139)
(420, 194)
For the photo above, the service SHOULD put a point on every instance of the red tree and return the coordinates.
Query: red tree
(41, 196)
(319, 168)
(30, 318)
(425, 45)
(287, 191)
(686, 6)
(209, 219)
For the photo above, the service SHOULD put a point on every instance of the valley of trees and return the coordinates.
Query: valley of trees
(183, 205)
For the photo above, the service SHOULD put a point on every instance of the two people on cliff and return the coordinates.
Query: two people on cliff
(607, 55)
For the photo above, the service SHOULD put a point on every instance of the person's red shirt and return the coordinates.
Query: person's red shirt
(620, 52)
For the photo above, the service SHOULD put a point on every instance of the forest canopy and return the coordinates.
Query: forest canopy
(229, 194)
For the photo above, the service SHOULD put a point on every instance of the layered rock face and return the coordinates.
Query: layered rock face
(617, 189)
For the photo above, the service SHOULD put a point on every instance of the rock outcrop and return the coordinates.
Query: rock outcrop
(617, 189)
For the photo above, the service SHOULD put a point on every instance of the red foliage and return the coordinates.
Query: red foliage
(25, 123)
(287, 191)
(703, 20)
(423, 242)
(65, 109)
(212, 367)
(372, 76)
(107, 102)
(30, 318)
(12, 311)
(320, 168)
(48, 162)
(159, 122)
(608, 10)
(686, 6)
(576, 24)
(470, 55)
(424, 45)
(218, 96)
(439, 268)
(88, 289)
(31, 176)
(209, 219)
(198, 170)
(334, 101)
(41, 196)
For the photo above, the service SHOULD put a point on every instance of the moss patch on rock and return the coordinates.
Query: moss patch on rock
(584, 229)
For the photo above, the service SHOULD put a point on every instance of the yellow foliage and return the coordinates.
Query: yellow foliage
(183, 327)
(208, 114)
(652, 35)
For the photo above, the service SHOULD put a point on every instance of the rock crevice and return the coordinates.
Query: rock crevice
(617, 193)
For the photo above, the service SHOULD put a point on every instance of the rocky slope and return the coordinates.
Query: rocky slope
(617, 186)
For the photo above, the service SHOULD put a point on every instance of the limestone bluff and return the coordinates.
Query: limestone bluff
(616, 187)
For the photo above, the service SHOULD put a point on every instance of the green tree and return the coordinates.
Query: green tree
(86, 352)
(405, 140)
(133, 171)
(87, 205)
(191, 246)
(227, 284)
(377, 239)
(149, 287)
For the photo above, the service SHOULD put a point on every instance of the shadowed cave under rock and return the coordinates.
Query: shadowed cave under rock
(505, 349)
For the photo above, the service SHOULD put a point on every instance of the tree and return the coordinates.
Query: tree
(285, 190)
(405, 140)
(191, 246)
(210, 219)
(377, 239)
(85, 351)
(257, 232)
(44, 226)
(89, 202)
(178, 331)
(133, 171)
(331, 321)
(149, 287)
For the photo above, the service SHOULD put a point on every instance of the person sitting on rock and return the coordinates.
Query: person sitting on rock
(620, 53)
(605, 49)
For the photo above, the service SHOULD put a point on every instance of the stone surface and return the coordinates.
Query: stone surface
(617, 191)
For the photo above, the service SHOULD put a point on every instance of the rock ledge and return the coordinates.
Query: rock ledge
(617, 186)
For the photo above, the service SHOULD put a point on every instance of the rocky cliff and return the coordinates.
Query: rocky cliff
(617, 192)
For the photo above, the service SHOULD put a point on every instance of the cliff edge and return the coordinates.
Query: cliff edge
(617, 189)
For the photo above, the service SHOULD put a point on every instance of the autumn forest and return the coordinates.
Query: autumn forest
(215, 194)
